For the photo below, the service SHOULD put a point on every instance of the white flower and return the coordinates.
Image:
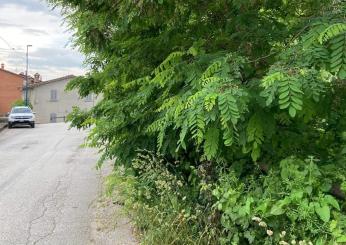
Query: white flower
(262, 224)
(282, 234)
(257, 219)
(283, 243)
(293, 242)
(270, 232)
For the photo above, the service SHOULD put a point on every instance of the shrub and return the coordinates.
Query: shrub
(166, 208)
(292, 203)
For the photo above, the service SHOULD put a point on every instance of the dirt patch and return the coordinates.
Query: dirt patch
(110, 224)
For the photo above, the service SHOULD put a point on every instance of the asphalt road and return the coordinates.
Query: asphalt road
(47, 185)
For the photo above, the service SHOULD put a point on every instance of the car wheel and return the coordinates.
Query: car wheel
(9, 125)
(32, 125)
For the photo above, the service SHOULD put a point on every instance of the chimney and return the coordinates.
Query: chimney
(2, 66)
(37, 78)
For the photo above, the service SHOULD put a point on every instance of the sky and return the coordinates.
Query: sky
(33, 22)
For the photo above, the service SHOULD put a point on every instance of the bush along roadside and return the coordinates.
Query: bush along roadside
(239, 108)
(290, 204)
(169, 205)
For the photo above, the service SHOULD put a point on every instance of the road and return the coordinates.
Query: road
(47, 185)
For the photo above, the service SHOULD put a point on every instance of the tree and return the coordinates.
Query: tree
(20, 102)
(225, 81)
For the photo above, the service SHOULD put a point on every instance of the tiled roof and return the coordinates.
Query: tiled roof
(53, 80)
(10, 72)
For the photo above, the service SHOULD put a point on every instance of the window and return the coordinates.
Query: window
(88, 98)
(53, 117)
(54, 95)
(21, 110)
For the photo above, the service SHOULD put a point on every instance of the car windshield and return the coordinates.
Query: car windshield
(20, 110)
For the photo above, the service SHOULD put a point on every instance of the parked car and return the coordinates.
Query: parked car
(21, 115)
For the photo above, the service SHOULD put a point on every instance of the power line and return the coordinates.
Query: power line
(7, 43)
(12, 49)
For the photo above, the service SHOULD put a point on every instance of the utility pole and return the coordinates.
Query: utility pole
(26, 76)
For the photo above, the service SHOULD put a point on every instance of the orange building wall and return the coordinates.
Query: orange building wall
(10, 90)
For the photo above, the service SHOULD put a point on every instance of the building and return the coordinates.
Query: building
(52, 103)
(36, 79)
(11, 86)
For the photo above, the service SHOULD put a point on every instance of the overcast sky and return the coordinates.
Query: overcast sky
(33, 22)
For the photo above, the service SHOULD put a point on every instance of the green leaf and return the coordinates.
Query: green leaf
(332, 201)
(256, 153)
(297, 107)
(323, 212)
(228, 136)
(248, 203)
(297, 100)
(321, 241)
(297, 195)
(211, 142)
(331, 32)
(285, 100)
(341, 239)
(342, 74)
(283, 89)
(296, 88)
(193, 51)
(284, 95)
(277, 210)
(285, 105)
(292, 111)
(308, 189)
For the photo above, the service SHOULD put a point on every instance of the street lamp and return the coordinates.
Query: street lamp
(26, 75)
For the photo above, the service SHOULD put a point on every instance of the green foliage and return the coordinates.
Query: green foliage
(240, 85)
(292, 200)
(163, 205)
(166, 88)
(79, 118)
(328, 41)
(211, 142)
(20, 102)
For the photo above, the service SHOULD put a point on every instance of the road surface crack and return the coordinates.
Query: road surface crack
(51, 198)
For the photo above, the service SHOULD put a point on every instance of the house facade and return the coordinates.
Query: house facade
(11, 86)
(52, 103)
